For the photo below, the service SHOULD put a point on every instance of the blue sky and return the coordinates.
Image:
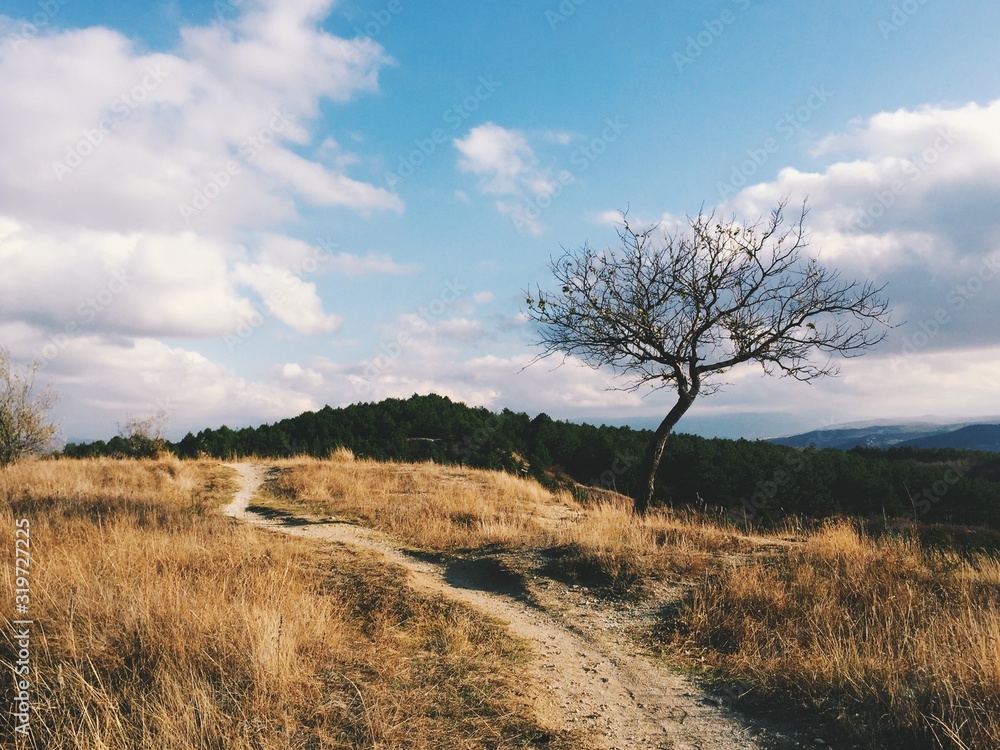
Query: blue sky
(236, 211)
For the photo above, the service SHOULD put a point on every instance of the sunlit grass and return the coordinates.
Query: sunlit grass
(162, 624)
(429, 506)
(897, 643)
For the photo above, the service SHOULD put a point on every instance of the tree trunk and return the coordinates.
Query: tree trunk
(654, 453)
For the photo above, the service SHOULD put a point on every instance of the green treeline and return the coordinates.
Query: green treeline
(757, 479)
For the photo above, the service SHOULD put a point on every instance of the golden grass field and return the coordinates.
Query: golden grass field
(895, 641)
(167, 625)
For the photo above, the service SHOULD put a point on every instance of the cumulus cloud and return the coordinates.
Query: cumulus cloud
(908, 198)
(139, 192)
(501, 158)
(290, 299)
(508, 167)
(103, 135)
(127, 282)
(104, 378)
(296, 375)
(114, 158)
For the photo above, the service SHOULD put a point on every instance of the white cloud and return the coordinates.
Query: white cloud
(560, 137)
(608, 218)
(296, 375)
(912, 202)
(290, 299)
(507, 167)
(128, 136)
(464, 330)
(132, 283)
(139, 192)
(303, 258)
(501, 158)
(153, 160)
(103, 379)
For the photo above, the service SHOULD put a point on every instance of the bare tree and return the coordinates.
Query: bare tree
(682, 312)
(144, 436)
(24, 425)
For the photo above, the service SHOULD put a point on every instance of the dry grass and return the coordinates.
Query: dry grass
(161, 624)
(898, 644)
(610, 546)
(429, 506)
(446, 509)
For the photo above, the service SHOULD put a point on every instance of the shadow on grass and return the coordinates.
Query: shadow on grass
(285, 518)
(491, 574)
(570, 565)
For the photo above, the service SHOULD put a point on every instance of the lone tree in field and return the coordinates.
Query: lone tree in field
(24, 425)
(144, 436)
(681, 312)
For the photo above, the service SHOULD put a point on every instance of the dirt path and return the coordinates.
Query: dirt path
(592, 678)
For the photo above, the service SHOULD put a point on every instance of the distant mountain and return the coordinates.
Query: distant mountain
(976, 437)
(984, 437)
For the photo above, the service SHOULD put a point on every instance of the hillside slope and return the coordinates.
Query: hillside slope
(978, 437)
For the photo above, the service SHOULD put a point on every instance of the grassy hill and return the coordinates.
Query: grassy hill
(163, 624)
(758, 480)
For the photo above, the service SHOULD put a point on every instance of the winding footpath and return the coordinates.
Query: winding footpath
(591, 680)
